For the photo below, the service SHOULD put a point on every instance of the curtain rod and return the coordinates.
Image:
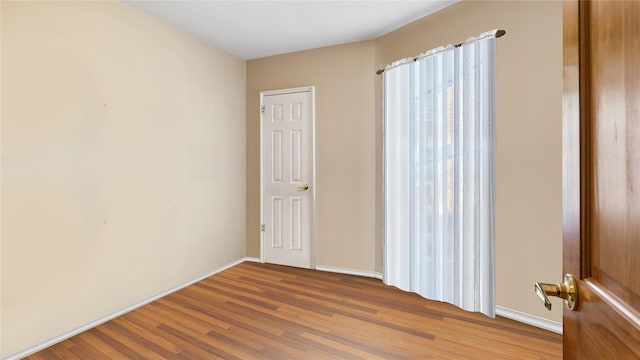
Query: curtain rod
(499, 33)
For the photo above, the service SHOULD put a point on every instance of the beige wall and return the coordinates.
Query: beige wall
(529, 118)
(123, 163)
(123, 154)
(345, 181)
(528, 209)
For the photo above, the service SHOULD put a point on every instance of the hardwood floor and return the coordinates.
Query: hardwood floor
(262, 311)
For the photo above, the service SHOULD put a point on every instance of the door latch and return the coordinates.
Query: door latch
(567, 290)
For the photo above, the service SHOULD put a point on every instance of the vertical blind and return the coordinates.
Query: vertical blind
(439, 174)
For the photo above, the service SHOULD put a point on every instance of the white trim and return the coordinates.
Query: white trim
(43, 345)
(518, 316)
(371, 274)
(501, 311)
(261, 178)
(529, 319)
(286, 91)
(314, 212)
(312, 182)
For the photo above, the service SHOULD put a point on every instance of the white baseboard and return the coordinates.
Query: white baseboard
(532, 320)
(43, 345)
(529, 319)
(339, 270)
(524, 318)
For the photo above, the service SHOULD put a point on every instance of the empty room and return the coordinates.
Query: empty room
(319, 179)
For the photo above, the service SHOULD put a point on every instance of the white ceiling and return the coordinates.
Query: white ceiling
(255, 29)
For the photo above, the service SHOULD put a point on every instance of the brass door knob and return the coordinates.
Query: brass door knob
(303, 187)
(567, 290)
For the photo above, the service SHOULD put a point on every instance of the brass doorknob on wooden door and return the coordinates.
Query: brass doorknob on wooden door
(567, 290)
(303, 187)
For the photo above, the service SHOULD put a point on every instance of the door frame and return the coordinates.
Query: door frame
(312, 180)
(574, 146)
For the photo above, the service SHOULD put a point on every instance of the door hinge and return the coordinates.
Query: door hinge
(262, 227)
(262, 109)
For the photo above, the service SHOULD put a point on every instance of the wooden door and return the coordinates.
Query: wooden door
(601, 177)
(287, 176)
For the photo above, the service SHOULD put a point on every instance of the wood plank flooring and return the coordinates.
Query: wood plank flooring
(263, 311)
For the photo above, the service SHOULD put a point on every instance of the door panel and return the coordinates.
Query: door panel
(276, 222)
(601, 177)
(615, 172)
(276, 156)
(287, 139)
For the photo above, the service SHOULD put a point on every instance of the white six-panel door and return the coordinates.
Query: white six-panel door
(287, 177)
